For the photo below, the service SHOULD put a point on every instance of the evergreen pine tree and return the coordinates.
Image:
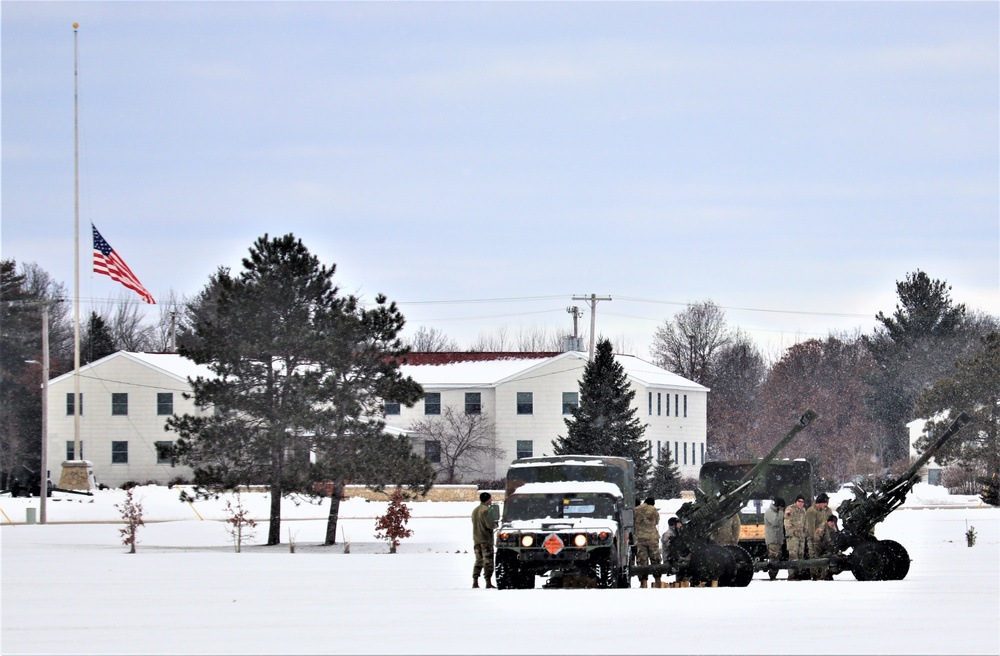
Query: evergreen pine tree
(298, 369)
(97, 340)
(605, 423)
(665, 483)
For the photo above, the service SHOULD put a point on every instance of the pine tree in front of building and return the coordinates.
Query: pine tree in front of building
(665, 483)
(605, 423)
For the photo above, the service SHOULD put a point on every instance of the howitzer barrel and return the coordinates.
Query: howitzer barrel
(703, 516)
(956, 426)
(864, 511)
(806, 419)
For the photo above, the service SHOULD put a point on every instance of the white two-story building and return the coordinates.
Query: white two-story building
(529, 397)
(125, 400)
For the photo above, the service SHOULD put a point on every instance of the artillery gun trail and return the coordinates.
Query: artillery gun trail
(691, 555)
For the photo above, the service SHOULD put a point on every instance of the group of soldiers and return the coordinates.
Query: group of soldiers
(804, 533)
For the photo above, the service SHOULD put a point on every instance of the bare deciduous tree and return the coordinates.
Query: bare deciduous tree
(533, 339)
(688, 344)
(464, 440)
(431, 340)
(126, 321)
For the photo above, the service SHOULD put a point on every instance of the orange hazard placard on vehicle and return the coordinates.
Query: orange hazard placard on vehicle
(553, 544)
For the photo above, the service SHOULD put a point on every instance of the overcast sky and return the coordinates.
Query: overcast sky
(482, 163)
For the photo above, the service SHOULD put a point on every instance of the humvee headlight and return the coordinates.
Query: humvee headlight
(580, 540)
(603, 535)
(505, 535)
(527, 541)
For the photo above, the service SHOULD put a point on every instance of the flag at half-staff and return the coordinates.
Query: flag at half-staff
(108, 262)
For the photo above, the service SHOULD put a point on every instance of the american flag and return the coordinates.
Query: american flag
(107, 261)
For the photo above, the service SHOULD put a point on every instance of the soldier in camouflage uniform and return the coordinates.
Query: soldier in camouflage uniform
(482, 540)
(825, 539)
(816, 516)
(728, 532)
(795, 535)
(647, 536)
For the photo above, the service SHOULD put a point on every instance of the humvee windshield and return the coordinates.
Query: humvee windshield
(559, 506)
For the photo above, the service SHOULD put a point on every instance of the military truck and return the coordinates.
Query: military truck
(566, 517)
(781, 478)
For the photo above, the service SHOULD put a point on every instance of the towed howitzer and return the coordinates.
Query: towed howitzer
(691, 554)
(872, 559)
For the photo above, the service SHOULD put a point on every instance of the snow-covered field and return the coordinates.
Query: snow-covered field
(72, 588)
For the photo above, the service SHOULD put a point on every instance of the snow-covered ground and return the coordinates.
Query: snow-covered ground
(72, 588)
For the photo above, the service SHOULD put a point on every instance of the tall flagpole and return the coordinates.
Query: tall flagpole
(77, 410)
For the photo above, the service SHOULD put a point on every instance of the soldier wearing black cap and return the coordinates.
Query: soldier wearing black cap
(774, 533)
(816, 516)
(825, 540)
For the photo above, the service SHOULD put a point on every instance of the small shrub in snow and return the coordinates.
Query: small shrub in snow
(392, 525)
(131, 511)
(238, 523)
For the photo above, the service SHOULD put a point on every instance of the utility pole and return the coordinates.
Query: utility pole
(592, 301)
(173, 331)
(44, 491)
(577, 313)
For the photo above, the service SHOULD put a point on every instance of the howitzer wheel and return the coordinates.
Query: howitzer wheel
(871, 562)
(743, 570)
(713, 563)
(898, 560)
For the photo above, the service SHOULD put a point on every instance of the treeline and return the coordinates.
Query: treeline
(929, 358)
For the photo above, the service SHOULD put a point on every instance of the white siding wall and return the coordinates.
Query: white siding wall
(547, 384)
(141, 427)
(676, 433)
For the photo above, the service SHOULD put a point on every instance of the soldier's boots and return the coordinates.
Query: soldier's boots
(475, 582)
(643, 584)
(489, 583)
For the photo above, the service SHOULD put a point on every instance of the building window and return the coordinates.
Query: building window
(119, 453)
(525, 449)
(163, 451)
(668, 403)
(570, 400)
(659, 400)
(119, 403)
(649, 448)
(677, 454)
(685, 453)
(525, 403)
(69, 450)
(69, 404)
(703, 453)
(650, 403)
(164, 403)
(677, 412)
(685, 405)
(473, 403)
(432, 450)
(391, 408)
(432, 403)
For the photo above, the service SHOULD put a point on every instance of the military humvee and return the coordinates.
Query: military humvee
(569, 516)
